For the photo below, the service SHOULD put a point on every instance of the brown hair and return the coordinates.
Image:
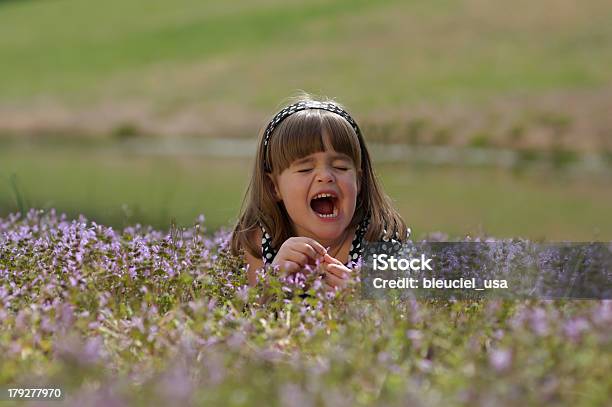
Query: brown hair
(298, 136)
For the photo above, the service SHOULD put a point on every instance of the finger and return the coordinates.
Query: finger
(331, 260)
(315, 245)
(290, 267)
(339, 271)
(333, 280)
(298, 257)
(308, 250)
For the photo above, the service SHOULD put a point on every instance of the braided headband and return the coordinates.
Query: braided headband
(304, 105)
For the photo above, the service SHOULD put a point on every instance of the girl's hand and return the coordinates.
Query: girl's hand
(336, 274)
(297, 252)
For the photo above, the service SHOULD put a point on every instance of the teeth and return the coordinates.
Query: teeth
(323, 196)
(331, 215)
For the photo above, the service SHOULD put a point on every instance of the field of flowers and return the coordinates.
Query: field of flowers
(144, 317)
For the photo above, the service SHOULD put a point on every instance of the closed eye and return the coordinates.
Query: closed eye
(341, 168)
(305, 170)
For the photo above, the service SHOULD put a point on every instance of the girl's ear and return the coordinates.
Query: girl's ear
(272, 179)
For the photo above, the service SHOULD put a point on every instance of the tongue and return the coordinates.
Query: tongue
(324, 206)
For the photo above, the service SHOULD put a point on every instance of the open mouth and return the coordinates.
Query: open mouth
(325, 205)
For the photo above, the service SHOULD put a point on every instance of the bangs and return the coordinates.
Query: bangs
(301, 135)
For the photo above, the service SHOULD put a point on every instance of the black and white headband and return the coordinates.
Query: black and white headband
(305, 105)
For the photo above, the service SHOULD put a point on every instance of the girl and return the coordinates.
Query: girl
(313, 195)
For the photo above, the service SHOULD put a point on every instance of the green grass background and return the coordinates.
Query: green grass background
(457, 201)
(372, 55)
(244, 57)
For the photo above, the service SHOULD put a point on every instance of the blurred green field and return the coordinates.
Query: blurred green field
(154, 60)
(526, 74)
(428, 48)
(120, 188)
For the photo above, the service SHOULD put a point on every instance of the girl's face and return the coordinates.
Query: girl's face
(319, 192)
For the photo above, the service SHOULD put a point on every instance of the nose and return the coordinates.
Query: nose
(325, 175)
